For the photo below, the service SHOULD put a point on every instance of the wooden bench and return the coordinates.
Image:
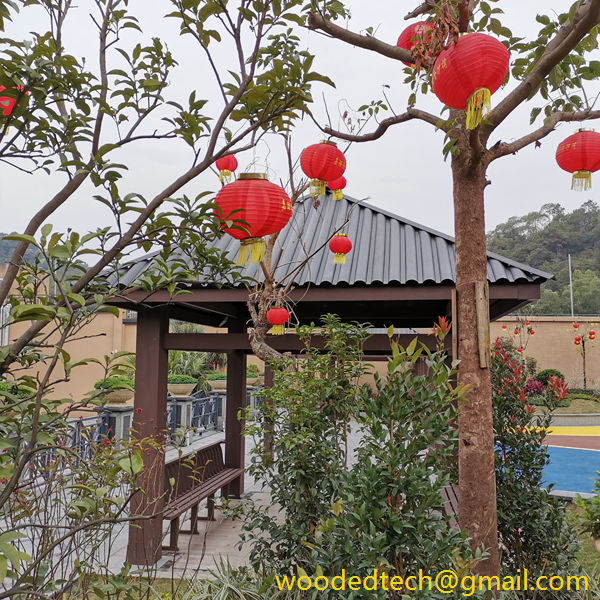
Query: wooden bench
(189, 480)
(450, 506)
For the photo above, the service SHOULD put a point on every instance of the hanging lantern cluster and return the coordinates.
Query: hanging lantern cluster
(467, 73)
(340, 245)
(227, 165)
(278, 317)
(413, 34)
(336, 186)
(322, 162)
(580, 154)
(260, 207)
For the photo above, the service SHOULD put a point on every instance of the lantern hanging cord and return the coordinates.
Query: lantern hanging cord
(478, 106)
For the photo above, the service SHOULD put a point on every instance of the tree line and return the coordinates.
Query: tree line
(543, 239)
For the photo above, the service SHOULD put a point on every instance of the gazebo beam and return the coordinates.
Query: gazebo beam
(219, 342)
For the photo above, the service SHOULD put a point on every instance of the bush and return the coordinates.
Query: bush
(181, 379)
(114, 383)
(545, 373)
(585, 394)
(591, 511)
(534, 387)
(214, 376)
(252, 371)
(532, 526)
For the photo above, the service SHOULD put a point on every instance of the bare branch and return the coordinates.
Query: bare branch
(426, 7)
(317, 22)
(569, 35)
(411, 113)
(503, 149)
(465, 8)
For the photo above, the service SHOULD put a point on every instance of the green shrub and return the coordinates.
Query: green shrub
(584, 394)
(114, 383)
(591, 511)
(216, 376)
(252, 371)
(181, 379)
(532, 527)
(545, 373)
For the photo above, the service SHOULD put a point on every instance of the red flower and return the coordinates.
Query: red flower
(106, 441)
(499, 393)
(522, 395)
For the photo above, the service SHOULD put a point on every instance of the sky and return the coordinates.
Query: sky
(403, 172)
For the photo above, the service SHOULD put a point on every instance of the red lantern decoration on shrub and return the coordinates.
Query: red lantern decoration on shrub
(468, 72)
(340, 245)
(259, 207)
(577, 341)
(336, 186)
(227, 165)
(580, 154)
(322, 162)
(592, 335)
(417, 32)
(13, 100)
(277, 316)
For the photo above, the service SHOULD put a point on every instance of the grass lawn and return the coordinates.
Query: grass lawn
(579, 406)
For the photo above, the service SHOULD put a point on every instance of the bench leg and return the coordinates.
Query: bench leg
(173, 536)
(193, 521)
(210, 505)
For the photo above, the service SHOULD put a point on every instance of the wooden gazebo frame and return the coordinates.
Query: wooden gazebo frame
(381, 306)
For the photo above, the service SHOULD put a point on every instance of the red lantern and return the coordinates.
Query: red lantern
(262, 207)
(340, 245)
(577, 341)
(336, 186)
(468, 72)
(322, 162)
(413, 34)
(13, 100)
(575, 325)
(592, 336)
(226, 165)
(277, 316)
(580, 154)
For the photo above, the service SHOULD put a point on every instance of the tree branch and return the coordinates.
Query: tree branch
(411, 113)
(503, 149)
(569, 35)
(427, 6)
(317, 22)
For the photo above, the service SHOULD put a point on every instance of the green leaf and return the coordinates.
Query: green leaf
(411, 347)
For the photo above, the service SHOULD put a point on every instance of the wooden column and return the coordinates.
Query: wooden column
(236, 399)
(268, 435)
(149, 425)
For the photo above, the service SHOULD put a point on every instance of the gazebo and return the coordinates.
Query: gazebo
(398, 273)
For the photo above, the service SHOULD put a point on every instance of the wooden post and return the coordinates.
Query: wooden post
(268, 435)
(149, 425)
(236, 397)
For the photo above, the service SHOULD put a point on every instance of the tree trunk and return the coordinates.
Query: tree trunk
(477, 481)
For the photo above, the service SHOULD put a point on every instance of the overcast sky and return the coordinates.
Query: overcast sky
(404, 172)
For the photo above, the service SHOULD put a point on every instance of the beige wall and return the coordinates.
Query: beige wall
(552, 345)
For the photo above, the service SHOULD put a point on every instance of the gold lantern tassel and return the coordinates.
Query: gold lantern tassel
(317, 188)
(337, 194)
(582, 181)
(339, 258)
(225, 176)
(277, 330)
(252, 250)
(478, 106)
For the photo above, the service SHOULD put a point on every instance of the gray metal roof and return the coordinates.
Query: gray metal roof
(387, 249)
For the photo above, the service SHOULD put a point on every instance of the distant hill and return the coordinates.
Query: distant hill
(7, 247)
(543, 240)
